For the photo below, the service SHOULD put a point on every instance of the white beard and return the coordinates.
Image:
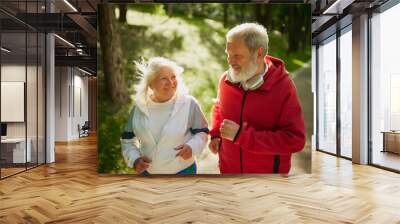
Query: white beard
(245, 73)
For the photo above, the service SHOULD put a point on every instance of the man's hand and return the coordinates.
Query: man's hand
(228, 129)
(141, 164)
(185, 151)
(214, 145)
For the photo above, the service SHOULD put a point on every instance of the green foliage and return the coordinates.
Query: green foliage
(111, 120)
(212, 11)
(158, 9)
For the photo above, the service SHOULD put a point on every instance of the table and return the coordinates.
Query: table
(391, 141)
(13, 150)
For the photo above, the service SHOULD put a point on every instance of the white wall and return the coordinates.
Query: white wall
(61, 103)
(34, 124)
(15, 73)
(71, 94)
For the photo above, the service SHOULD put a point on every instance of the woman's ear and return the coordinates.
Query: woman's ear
(151, 84)
(260, 52)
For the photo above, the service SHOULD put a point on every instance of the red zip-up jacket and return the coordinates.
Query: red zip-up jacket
(271, 123)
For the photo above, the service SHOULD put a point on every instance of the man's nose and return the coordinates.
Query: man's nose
(230, 60)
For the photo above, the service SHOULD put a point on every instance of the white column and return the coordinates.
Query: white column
(360, 90)
(314, 92)
(50, 93)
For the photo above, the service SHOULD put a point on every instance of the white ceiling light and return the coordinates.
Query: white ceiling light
(79, 51)
(70, 5)
(338, 6)
(86, 72)
(65, 41)
(5, 49)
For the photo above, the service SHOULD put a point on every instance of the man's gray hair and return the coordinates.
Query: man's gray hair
(253, 34)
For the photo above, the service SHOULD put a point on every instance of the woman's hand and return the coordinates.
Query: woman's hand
(185, 151)
(141, 164)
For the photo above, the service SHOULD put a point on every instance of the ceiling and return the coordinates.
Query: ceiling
(75, 23)
(329, 16)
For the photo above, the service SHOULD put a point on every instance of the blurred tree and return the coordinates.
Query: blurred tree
(170, 9)
(297, 26)
(293, 25)
(158, 9)
(257, 13)
(189, 8)
(241, 14)
(122, 13)
(225, 15)
(111, 55)
(292, 20)
(263, 15)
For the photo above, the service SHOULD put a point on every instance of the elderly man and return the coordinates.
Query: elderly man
(257, 119)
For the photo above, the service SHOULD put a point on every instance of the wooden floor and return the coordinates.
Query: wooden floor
(10, 171)
(71, 191)
(387, 159)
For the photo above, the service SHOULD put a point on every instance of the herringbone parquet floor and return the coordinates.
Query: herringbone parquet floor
(71, 191)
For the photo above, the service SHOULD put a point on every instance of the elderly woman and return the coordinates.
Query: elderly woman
(166, 128)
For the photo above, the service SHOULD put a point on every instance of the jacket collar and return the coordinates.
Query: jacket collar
(276, 71)
(253, 83)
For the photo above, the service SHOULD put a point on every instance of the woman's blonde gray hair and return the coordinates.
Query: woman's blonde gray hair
(149, 70)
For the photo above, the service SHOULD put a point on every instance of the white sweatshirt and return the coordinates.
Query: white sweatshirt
(144, 136)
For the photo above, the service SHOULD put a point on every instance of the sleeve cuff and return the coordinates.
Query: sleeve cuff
(236, 139)
(194, 149)
(197, 143)
(131, 161)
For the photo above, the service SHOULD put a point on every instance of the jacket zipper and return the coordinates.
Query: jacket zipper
(240, 123)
